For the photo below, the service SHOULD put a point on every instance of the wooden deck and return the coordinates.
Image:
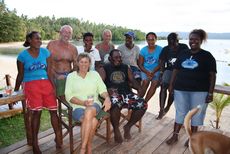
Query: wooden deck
(150, 140)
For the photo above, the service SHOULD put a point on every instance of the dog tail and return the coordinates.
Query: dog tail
(188, 119)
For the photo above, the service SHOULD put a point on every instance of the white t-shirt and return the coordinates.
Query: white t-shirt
(129, 57)
(94, 55)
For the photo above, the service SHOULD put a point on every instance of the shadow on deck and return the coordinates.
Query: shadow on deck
(150, 140)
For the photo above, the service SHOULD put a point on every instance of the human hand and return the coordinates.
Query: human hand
(170, 89)
(149, 75)
(107, 104)
(90, 100)
(209, 98)
(113, 91)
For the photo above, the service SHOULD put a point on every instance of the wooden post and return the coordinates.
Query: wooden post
(8, 83)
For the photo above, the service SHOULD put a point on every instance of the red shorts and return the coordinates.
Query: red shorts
(40, 94)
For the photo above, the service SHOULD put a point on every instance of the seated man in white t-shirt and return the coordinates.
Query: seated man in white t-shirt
(92, 51)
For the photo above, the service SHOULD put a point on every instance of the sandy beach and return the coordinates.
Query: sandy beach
(8, 66)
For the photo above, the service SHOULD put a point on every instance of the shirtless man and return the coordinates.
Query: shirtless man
(63, 59)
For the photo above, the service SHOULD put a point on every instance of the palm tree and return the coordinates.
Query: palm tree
(220, 101)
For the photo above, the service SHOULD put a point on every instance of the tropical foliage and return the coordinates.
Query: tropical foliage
(14, 27)
(220, 101)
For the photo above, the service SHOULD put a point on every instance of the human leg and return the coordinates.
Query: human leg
(34, 104)
(57, 130)
(87, 126)
(165, 81)
(135, 117)
(92, 133)
(115, 114)
(174, 137)
(151, 90)
(49, 101)
(144, 85)
(163, 96)
(138, 107)
(169, 103)
(182, 108)
(194, 130)
(197, 98)
(35, 124)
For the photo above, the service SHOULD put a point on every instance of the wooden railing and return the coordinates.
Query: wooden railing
(222, 89)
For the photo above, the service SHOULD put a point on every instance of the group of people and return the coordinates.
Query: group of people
(82, 75)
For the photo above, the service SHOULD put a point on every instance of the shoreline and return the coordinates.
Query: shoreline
(17, 44)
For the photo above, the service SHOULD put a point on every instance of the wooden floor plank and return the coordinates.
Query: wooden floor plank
(150, 140)
(148, 137)
(147, 119)
(165, 130)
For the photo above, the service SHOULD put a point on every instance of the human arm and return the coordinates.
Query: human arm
(75, 100)
(50, 65)
(97, 65)
(141, 66)
(75, 55)
(102, 73)
(107, 102)
(212, 81)
(49, 71)
(20, 75)
(172, 81)
(133, 82)
(212, 78)
(162, 69)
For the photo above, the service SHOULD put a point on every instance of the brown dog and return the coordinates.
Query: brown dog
(205, 141)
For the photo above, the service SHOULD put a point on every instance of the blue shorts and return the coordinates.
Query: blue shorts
(136, 72)
(155, 77)
(166, 77)
(184, 101)
(78, 113)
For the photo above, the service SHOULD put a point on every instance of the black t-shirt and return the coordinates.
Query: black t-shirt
(117, 77)
(169, 56)
(194, 69)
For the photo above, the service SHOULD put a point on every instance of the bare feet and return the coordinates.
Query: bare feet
(117, 136)
(127, 135)
(161, 115)
(166, 110)
(82, 151)
(36, 150)
(173, 139)
(89, 149)
(186, 144)
(58, 142)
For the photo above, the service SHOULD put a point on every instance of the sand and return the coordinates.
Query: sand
(8, 66)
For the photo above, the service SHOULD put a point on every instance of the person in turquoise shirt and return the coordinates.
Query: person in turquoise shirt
(149, 65)
(82, 90)
(33, 65)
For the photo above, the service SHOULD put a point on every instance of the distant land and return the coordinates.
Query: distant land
(184, 35)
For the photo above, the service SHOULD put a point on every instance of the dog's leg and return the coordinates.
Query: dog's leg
(208, 151)
(194, 130)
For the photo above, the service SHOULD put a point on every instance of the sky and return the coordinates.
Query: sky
(144, 15)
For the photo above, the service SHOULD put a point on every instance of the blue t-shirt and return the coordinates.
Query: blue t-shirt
(34, 68)
(151, 60)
